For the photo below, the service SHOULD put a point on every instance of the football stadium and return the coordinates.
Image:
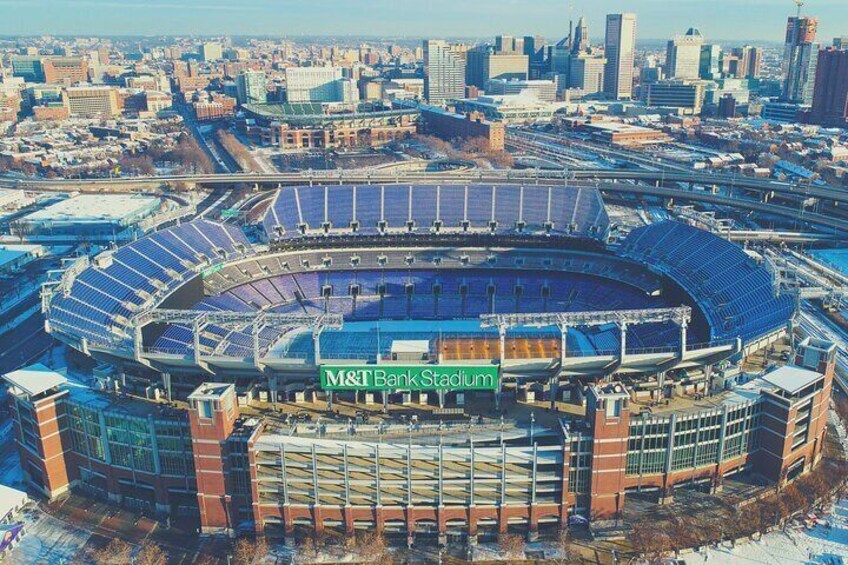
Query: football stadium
(520, 276)
(443, 360)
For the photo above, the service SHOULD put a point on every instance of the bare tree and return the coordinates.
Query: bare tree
(238, 151)
(150, 554)
(512, 545)
(116, 552)
(247, 551)
(793, 501)
(310, 547)
(566, 553)
(642, 538)
(373, 548)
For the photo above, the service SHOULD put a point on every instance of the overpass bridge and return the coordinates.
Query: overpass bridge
(654, 183)
(777, 236)
(694, 179)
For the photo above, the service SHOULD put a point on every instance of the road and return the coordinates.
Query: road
(607, 181)
(365, 176)
(24, 344)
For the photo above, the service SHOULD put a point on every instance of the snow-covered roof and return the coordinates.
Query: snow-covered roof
(35, 379)
(791, 379)
(10, 499)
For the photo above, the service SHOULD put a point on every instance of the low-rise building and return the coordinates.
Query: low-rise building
(89, 217)
(13, 258)
(93, 101)
(687, 95)
(544, 90)
(625, 135)
(524, 108)
(449, 126)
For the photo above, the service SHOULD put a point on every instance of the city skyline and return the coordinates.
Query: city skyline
(756, 20)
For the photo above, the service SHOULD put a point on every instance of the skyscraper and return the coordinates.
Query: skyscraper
(559, 58)
(444, 71)
(830, 98)
(620, 48)
(580, 41)
(683, 55)
(484, 64)
(211, 51)
(710, 67)
(534, 48)
(799, 59)
(586, 67)
(754, 60)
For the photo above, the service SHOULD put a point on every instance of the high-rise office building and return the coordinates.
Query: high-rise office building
(586, 67)
(211, 51)
(509, 44)
(840, 42)
(444, 71)
(830, 98)
(251, 88)
(710, 66)
(587, 73)
(743, 62)
(559, 60)
(65, 70)
(534, 48)
(29, 68)
(683, 55)
(620, 50)
(483, 64)
(580, 40)
(755, 62)
(799, 59)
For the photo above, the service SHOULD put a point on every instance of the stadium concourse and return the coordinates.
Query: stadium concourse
(592, 366)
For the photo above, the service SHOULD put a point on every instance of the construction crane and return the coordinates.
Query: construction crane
(800, 4)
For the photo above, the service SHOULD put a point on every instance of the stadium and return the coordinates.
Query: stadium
(430, 361)
(311, 125)
(349, 271)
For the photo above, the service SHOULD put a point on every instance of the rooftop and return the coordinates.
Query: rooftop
(9, 253)
(617, 127)
(791, 379)
(95, 208)
(35, 379)
(210, 391)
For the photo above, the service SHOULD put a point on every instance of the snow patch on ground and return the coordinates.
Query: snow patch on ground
(48, 540)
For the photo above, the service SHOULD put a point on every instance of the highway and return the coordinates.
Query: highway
(365, 176)
(605, 180)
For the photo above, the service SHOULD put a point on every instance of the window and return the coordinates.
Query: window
(204, 408)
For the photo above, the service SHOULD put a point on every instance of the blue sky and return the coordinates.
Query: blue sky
(718, 19)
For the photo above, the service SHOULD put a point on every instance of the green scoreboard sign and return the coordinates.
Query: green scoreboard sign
(409, 377)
